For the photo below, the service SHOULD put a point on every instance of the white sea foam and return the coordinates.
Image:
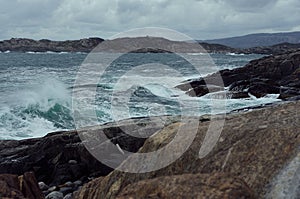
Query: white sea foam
(23, 113)
(235, 54)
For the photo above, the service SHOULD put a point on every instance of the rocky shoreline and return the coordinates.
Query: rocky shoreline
(276, 74)
(253, 150)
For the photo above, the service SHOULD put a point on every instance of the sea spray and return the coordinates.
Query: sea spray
(38, 108)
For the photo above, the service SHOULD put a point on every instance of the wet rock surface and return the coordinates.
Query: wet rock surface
(278, 74)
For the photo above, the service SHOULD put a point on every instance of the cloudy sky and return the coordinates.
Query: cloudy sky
(200, 19)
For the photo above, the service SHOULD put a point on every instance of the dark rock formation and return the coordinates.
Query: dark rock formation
(61, 157)
(278, 74)
(24, 186)
(253, 147)
(25, 45)
(48, 157)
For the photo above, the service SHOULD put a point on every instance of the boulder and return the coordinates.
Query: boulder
(253, 147)
(29, 186)
(9, 186)
(43, 186)
(55, 195)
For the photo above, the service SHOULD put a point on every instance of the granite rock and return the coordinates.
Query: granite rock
(254, 146)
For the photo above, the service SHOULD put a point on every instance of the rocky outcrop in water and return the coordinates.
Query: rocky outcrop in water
(279, 74)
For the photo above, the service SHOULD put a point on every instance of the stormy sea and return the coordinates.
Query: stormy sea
(36, 91)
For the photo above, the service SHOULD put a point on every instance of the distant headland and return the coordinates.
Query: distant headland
(124, 45)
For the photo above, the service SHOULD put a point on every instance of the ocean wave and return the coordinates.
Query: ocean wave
(35, 111)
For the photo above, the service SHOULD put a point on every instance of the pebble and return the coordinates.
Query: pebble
(77, 182)
(55, 195)
(43, 186)
(69, 196)
(66, 190)
(46, 192)
(51, 189)
(69, 184)
(72, 162)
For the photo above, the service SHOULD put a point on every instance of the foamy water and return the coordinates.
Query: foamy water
(36, 91)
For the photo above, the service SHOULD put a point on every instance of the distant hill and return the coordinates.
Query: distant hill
(275, 49)
(260, 39)
(138, 44)
(156, 44)
(43, 45)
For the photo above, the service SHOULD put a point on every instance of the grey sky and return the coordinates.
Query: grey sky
(200, 19)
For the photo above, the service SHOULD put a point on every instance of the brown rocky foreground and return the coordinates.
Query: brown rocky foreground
(253, 147)
(24, 186)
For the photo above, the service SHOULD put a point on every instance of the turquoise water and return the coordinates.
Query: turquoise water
(36, 91)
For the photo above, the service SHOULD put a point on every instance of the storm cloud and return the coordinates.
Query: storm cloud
(200, 19)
